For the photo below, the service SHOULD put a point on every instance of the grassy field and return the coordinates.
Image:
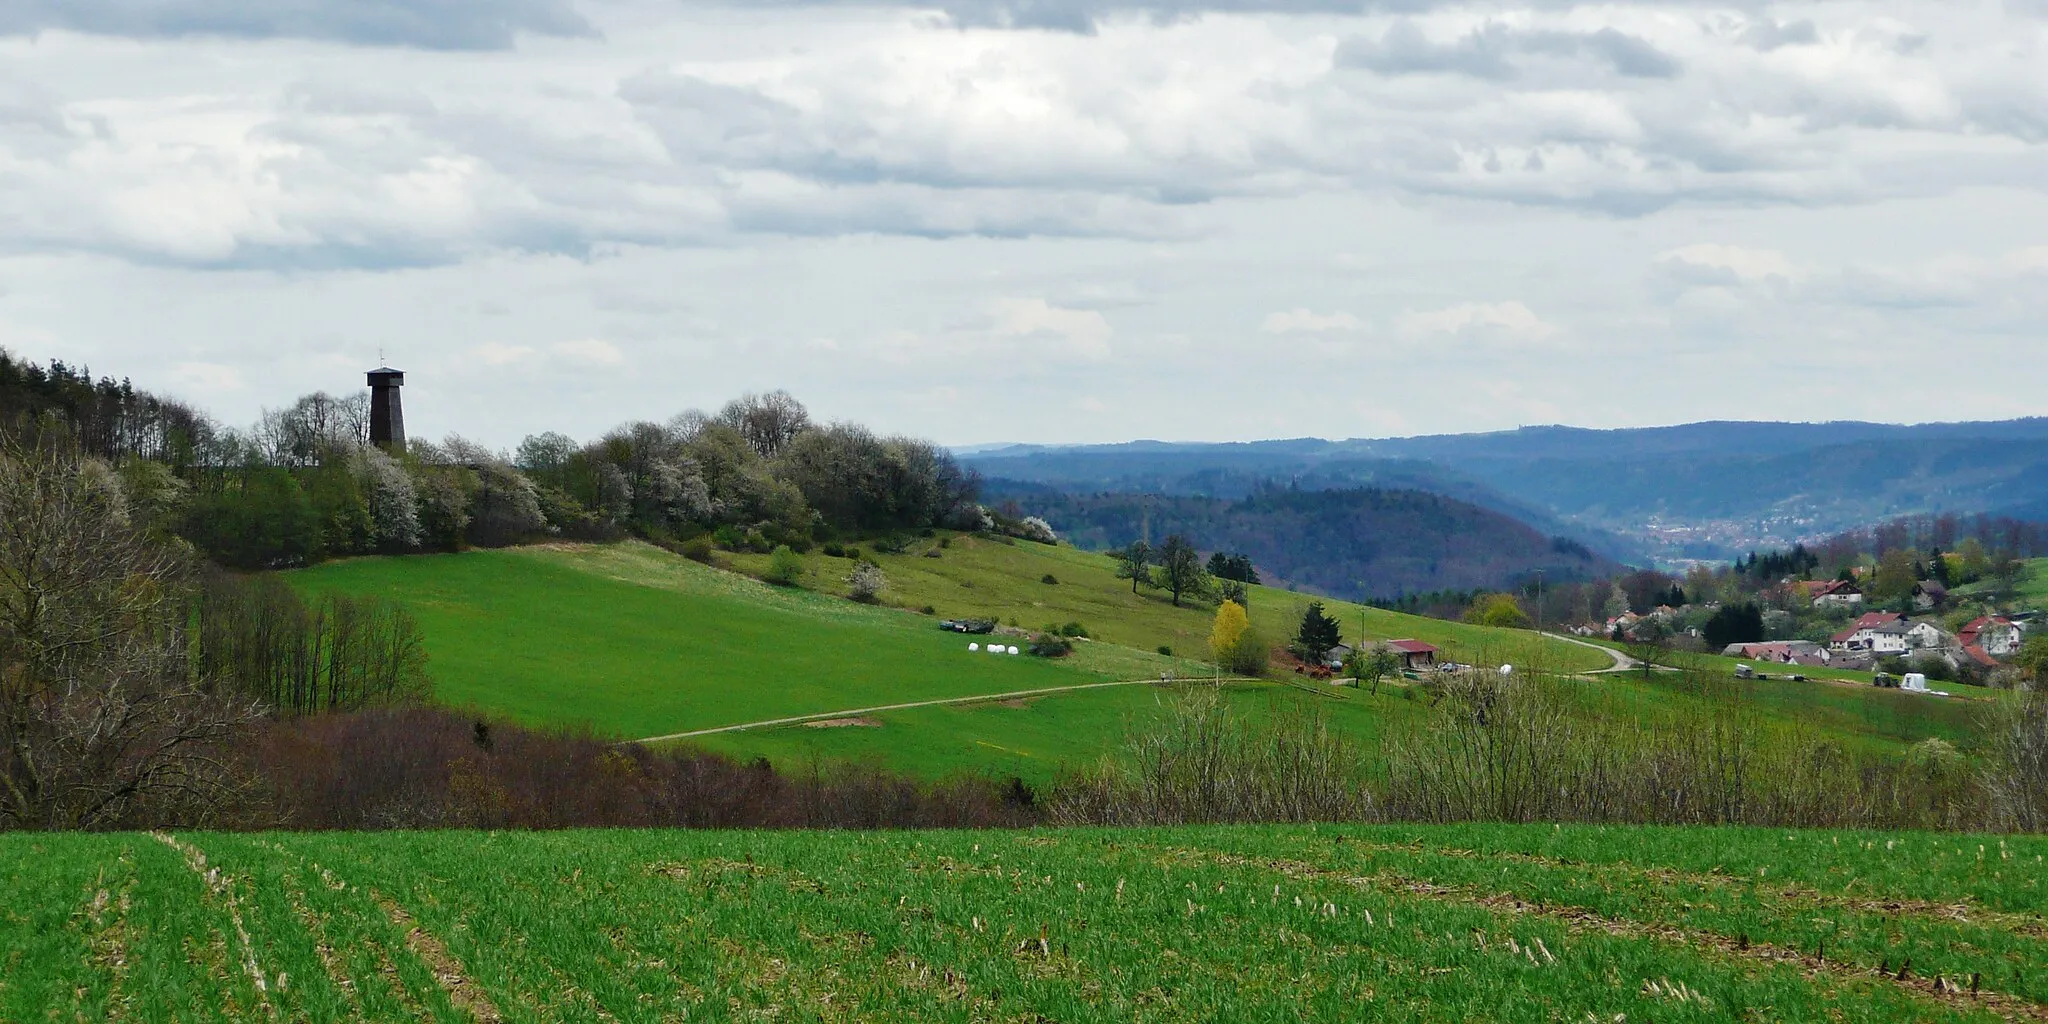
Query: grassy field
(632, 641)
(1005, 581)
(1508, 923)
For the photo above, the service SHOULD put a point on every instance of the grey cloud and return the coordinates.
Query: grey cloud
(1081, 16)
(1771, 34)
(426, 24)
(1487, 52)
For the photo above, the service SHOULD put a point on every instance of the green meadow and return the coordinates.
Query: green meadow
(630, 641)
(1331, 923)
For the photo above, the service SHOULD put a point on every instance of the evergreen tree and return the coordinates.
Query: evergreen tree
(1318, 633)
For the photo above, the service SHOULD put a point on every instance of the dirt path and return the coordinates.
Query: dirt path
(857, 712)
(1622, 662)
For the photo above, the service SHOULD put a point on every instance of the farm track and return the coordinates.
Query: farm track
(220, 887)
(1804, 897)
(856, 712)
(1584, 920)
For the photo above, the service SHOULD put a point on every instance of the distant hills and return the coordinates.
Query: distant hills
(1701, 490)
(1352, 543)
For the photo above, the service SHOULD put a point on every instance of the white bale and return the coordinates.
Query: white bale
(1507, 670)
(974, 646)
(1013, 650)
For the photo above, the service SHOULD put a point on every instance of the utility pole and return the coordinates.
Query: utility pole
(1539, 600)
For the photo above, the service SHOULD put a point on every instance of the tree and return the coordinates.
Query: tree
(865, 582)
(1316, 635)
(1616, 604)
(785, 567)
(1237, 647)
(1181, 569)
(2008, 573)
(1498, 610)
(1937, 568)
(1734, 624)
(1972, 559)
(1895, 577)
(1375, 664)
(1231, 623)
(100, 711)
(1134, 563)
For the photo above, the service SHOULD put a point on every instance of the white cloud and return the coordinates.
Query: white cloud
(1084, 333)
(588, 351)
(1499, 321)
(1304, 321)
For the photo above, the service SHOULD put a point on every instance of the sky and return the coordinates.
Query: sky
(1053, 221)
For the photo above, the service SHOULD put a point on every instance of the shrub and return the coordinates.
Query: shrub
(785, 567)
(1051, 645)
(1075, 629)
(1035, 529)
(757, 542)
(853, 553)
(865, 583)
(1049, 580)
(834, 551)
(729, 537)
(697, 549)
(927, 610)
(1164, 649)
(945, 542)
(931, 552)
(894, 544)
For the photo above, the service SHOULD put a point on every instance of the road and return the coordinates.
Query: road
(853, 712)
(1622, 662)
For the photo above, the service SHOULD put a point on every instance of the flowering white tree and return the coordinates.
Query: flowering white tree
(865, 583)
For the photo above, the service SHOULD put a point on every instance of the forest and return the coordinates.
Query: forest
(1365, 543)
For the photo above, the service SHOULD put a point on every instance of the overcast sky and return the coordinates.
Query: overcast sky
(1038, 220)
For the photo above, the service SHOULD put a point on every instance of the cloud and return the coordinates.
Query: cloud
(1712, 265)
(429, 24)
(1485, 321)
(1490, 51)
(589, 352)
(1769, 34)
(1303, 321)
(1084, 333)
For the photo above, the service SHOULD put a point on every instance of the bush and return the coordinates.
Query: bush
(853, 553)
(1075, 629)
(697, 549)
(945, 542)
(1934, 667)
(729, 537)
(785, 567)
(834, 550)
(931, 553)
(927, 610)
(865, 583)
(1164, 649)
(894, 544)
(1051, 645)
(1049, 580)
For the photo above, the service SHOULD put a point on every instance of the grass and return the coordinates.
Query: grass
(631, 641)
(1404, 923)
(1003, 580)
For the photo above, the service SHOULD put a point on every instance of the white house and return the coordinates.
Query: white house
(1996, 634)
(1926, 636)
(1836, 594)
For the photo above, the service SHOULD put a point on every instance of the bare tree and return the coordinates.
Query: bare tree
(769, 422)
(99, 712)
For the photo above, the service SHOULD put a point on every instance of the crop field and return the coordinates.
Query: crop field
(1409, 923)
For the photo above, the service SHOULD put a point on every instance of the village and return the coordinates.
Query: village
(1834, 624)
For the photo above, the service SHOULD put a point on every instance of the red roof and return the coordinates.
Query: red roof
(1411, 647)
(1872, 620)
(1980, 656)
(1830, 587)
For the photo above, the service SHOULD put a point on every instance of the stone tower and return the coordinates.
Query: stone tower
(387, 418)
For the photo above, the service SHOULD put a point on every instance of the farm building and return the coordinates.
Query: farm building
(1836, 593)
(1414, 654)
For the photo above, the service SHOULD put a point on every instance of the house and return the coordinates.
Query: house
(1978, 656)
(1784, 652)
(1414, 654)
(1835, 594)
(1335, 657)
(1929, 595)
(1926, 636)
(1863, 634)
(1996, 634)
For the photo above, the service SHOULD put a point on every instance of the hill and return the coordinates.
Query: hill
(1187, 924)
(634, 642)
(1354, 543)
(1696, 490)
